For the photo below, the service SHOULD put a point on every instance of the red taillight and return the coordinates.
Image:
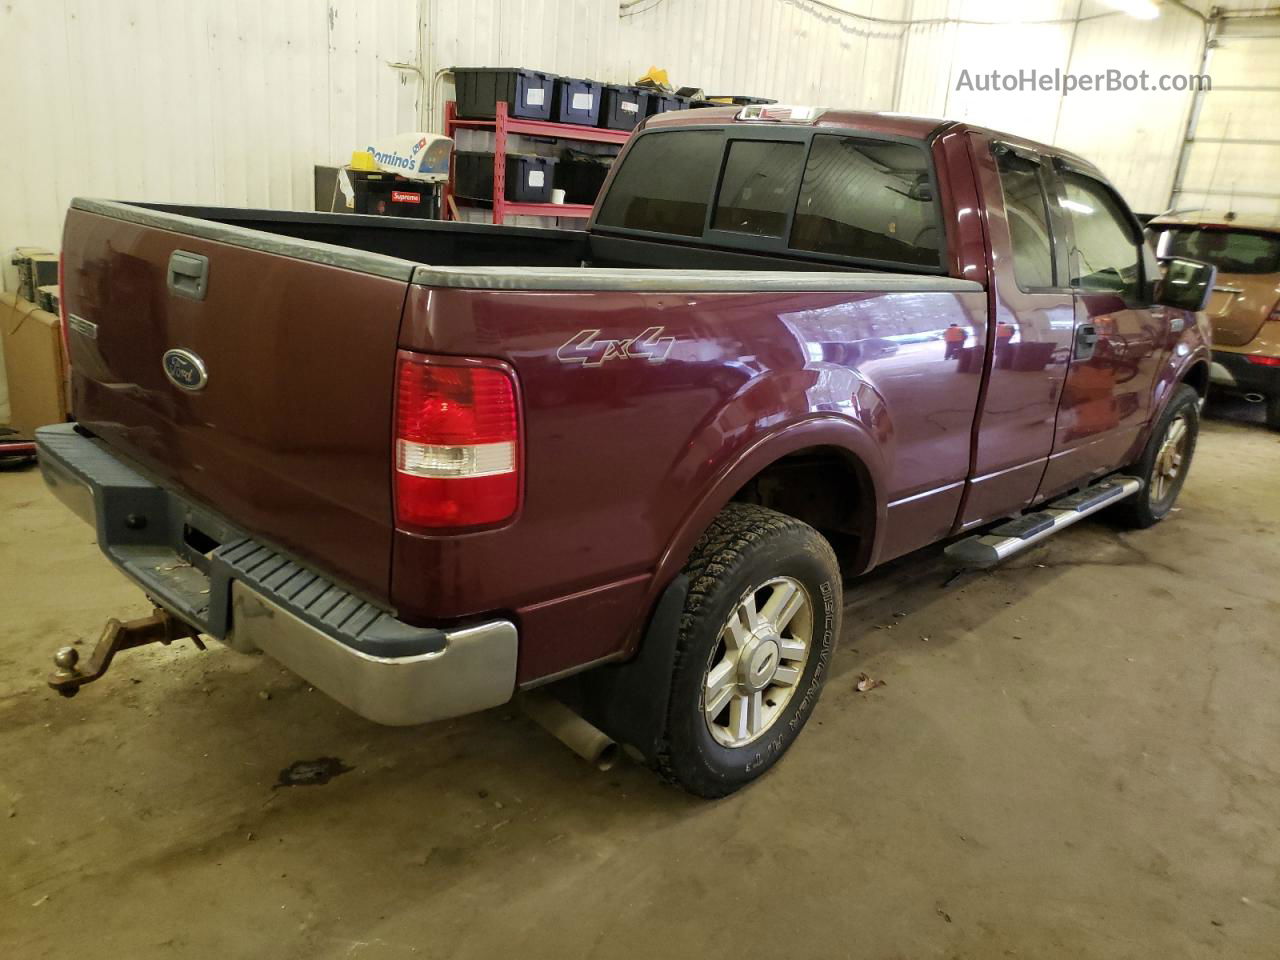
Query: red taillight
(457, 444)
(1263, 361)
(62, 308)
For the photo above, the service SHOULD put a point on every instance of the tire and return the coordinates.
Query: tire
(1160, 489)
(749, 556)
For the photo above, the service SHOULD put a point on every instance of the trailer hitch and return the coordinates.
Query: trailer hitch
(160, 627)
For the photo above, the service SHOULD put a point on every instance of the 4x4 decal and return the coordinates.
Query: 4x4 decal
(584, 348)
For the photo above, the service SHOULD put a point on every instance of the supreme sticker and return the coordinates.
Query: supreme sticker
(405, 196)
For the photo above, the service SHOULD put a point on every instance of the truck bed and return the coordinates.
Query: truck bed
(291, 439)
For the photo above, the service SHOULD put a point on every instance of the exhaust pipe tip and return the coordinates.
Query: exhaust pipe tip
(587, 741)
(607, 758)
(1254, 397)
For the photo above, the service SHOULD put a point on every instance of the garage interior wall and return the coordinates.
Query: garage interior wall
(233, 101)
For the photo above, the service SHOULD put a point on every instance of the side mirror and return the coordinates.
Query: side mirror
(1187, 284)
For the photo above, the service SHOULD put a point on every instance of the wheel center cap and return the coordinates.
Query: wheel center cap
(759, 663)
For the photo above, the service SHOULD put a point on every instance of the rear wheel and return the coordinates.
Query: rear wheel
(1166, 460)
(753, 649)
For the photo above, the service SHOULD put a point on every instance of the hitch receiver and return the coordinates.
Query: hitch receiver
(160, 627)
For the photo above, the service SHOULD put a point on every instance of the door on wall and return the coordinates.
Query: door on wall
(1121, 338)
(1232, 151)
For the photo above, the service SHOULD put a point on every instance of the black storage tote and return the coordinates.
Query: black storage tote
(577, 101)
(528, 93)
(623, 107)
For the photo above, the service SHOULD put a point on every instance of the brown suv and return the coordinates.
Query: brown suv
(1245, 307)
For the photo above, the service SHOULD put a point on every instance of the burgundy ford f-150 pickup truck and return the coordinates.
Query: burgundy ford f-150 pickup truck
(428, 465)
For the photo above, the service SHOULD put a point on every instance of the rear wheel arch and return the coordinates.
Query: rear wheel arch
(833, 441)
(827, 487)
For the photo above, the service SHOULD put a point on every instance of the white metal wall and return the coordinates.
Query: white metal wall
(903, 55)
(233, 101)
(216, 101)
(1234, 152)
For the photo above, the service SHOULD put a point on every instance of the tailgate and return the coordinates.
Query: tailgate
(289, 435)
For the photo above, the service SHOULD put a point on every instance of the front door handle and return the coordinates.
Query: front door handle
(1086, 341)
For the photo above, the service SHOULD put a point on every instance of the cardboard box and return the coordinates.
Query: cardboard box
(34, 364)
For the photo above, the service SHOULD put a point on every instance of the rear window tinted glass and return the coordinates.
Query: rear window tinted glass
(758, 188)
(665, 183)
(869, 199)
(1231, 251)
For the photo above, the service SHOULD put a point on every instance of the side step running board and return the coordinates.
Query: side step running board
(987, 549)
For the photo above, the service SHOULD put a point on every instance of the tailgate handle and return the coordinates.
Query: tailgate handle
(188, 275)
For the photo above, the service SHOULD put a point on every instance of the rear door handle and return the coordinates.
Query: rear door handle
(188, 275)
(1086, 341)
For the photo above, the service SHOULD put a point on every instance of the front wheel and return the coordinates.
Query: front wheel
(753, 649)
(1165, 461)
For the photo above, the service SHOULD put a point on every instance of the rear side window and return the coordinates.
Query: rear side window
(665, 184)
(1231, 251)
(1026, 210)
(869, 199)
(758, 187)
(1106, 256)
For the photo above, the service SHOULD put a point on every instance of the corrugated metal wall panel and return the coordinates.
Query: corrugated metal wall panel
(1138, 144)
(232, 102)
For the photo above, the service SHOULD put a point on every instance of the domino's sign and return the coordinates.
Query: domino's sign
(419, 156)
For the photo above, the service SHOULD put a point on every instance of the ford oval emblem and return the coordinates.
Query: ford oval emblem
(185, 369)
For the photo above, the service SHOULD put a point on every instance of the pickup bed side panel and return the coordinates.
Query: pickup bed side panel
(291, 436)
(624, 443)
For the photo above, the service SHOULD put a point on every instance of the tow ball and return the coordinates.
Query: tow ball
(160, 627)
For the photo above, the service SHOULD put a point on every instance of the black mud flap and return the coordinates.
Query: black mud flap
(628, 701)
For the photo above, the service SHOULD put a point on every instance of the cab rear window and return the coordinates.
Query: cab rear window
(665, 185)
(826, 196)
(871, 199)
(758, 187)
(1231, 251)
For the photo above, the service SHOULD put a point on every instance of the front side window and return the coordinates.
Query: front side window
(1106, 256)
(758, 187)
(868, 199)
(665, 184)
(1028, 216)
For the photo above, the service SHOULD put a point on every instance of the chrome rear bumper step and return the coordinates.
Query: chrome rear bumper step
(987, 549)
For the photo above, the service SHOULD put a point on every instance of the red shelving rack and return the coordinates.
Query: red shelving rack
(502, 125)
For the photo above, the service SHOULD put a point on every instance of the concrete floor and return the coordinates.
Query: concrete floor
(1075, 755)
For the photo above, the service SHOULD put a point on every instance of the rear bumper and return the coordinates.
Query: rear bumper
(1232, 371)
(221, 581)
